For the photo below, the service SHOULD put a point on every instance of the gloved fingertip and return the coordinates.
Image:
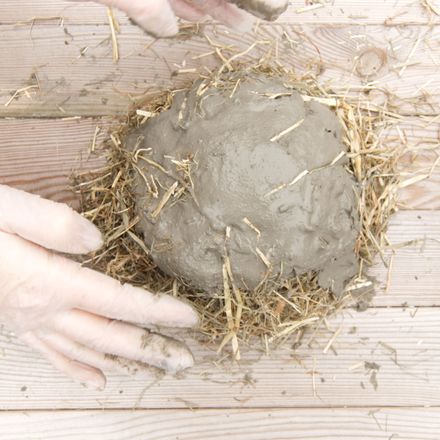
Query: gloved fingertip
(265, 9)
(86, 375)
(170, 30)
(245, 23)
(70, 232)
(90, 237)
(160, 22)
(181, 314)
(180, 363)
(166, 353)
(96, 382)
(187, 362)
(189, 318)
(98, 385)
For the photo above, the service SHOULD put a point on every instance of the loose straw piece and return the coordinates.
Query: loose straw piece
(164, 199)
(19, 92)
(286, 131)
(331, 102)
(390, 268)
(431, 7)
(413, 180)
(304, 173)
(298, 177)
(264, 258)
(285, 185)
(95, 135)
(332, 340)
(247, 222)
(412, 52)
(234, 57)
(291, 304)
(114, 28)
(238, 298)
(154, 164)
(144, 113)
(191, 70)
(232, 335)
(336, 159)
(291, 328)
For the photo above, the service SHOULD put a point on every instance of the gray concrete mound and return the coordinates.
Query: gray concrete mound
(266, 168)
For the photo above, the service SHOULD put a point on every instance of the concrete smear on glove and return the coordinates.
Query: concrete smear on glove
(262, 8)
(311, 225)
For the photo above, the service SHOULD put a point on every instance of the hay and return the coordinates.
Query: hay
(114, 30)
(276, 309)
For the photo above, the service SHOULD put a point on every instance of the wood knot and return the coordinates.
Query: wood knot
(370, 61)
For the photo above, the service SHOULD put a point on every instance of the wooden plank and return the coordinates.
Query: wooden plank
(39, 155)
(423, 138)
(343, 11)
(414, 278)
(73, 74)
(423, 194)
(403, 345)
(256, 424)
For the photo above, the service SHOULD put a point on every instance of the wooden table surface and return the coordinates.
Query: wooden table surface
(382, 380)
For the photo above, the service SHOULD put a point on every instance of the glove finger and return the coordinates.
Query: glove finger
(186, 11)
(155, 16)
(77, 371)
(97, 293)
(224, 12)
(105, 362)
(49, 224)
(122, 339)
(265, 9)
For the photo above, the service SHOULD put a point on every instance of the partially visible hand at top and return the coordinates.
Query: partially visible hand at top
(159, 17)
(84, 322)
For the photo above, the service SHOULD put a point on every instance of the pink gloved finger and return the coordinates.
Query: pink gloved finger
(100, 294)
(155, 16)
(77, 371)
(47, 283)
(49, 224)
(186, 11)
(122, 339)
(224, 12)
(265, 9)
(79, 352)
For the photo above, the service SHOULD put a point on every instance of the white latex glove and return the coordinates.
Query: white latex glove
(158, 17)
(79, 319)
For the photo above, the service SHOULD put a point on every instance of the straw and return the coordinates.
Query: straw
(276, 309)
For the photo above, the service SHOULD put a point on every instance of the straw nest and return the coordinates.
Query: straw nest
(233, 317)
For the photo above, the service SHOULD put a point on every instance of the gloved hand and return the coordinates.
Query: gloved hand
(82, 321)
(158, 17)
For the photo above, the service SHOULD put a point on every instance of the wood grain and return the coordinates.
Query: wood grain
(415, 272)
(38, 155)
(284, 379)
(286, 395)
(255, 424)
(342, 11)
(73, 74)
